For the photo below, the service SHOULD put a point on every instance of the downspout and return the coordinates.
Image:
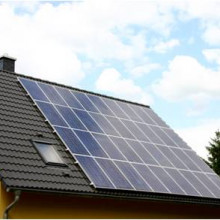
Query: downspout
(16, 199)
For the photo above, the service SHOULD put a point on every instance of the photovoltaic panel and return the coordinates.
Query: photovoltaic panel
(70, 117)
(100, 105)
(69, 98)
(104, 124)
(122, 146)
(133, 176)
(126, 149)
(109, 147)
(91, 144)
(151, 178)
(94, 172)
(85, 101)
(87, 120)
(114, 174)
(52, 94)
(52, 114)
(115, 108)
(168, 181)
(182, 182)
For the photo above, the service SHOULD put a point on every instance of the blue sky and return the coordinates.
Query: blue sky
(165, 54)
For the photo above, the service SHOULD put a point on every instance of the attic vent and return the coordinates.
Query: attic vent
(49, 153)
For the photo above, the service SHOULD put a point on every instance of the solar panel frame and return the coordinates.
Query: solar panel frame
(167, 128)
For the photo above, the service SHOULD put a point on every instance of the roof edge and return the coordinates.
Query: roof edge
(149, 197)
(74, 88)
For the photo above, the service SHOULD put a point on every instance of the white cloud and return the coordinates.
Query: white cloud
(212, 34)
(141, 70)
(46, 37)
(110, 80)
(208, 14)
(198, 137)
(163, 47)
(38, 53)
(186, 78)
(212, 55)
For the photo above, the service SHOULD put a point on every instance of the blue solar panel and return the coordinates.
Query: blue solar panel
(69, 98)
(34, 90)
(109, 147)
(132, 175)
(142, 152)
(70, 117)
(85, 102)
(183, 157)
(159, 132)
(91, 144)
(88, 121)
(52, 94)
(126, 149)
(115, 175)
(159, 157)
(212, 187)
(167, 180)
(200, 187)
(51, 114)
(149, 133)
(143, 115)
(120, 127)
(151, 178)
(121, 145)
(131, 114)
(100, 105)
(172, 157)
(139, 135)
(104, 124)
(182, 182)
(94, 172)
(71, 141)
(115, 108)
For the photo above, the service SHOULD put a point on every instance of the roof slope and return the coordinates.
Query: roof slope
(20, 164)
(21, 167)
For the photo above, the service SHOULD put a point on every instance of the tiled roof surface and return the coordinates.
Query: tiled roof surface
(21, 167)
(20, 164)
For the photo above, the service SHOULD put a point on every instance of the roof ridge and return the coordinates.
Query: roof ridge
(74, 88)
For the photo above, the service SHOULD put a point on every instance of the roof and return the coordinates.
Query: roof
(22, 168)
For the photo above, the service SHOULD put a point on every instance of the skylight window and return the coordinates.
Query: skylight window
(49, 154)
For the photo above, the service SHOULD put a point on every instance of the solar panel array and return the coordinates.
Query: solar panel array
(122, 146)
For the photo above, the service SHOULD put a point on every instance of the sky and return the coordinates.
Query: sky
(165, 54)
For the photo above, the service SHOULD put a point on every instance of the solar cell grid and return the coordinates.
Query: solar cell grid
(100, 105)
(131, 114)
(109, 147)
(143, 115)
(121, 145)
(70, 117)
(133, 176)
(126, 149)
(69, 98)
(84, 101)
(115, 108)
(104, 124)
(52, 94)
(151, 179)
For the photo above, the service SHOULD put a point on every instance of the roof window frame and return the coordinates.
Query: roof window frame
(43, 157)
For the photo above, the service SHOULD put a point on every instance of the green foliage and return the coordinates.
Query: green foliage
(214, 153)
